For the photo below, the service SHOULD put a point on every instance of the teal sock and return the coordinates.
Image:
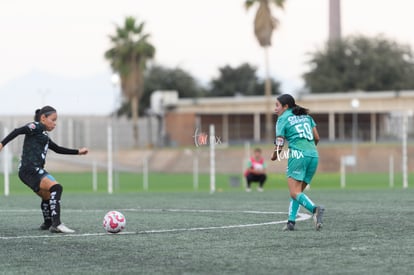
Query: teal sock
(293, 209)
(306, 202)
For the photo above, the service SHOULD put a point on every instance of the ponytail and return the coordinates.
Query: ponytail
(46, 110)
(287, 99)
(37, 115)
(299, 111)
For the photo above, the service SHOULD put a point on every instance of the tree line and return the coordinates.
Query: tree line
(130, 50)
(344, 65)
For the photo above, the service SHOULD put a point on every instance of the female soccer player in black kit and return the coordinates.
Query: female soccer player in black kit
(31, 168)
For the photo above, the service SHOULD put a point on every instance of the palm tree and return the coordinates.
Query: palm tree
(264, 24)
(128, 55)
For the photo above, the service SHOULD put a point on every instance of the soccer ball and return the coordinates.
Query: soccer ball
(114, 222)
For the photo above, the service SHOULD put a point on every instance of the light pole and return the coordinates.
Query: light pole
(354, 106)
(115, 80)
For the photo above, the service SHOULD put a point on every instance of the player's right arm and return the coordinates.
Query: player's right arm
(67, 151)
(279, 143)
(279, 140)
(16, 132)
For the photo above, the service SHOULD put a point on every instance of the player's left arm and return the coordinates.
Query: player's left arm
(63, 150)
(12, 135)
(314, 131)
(315, 135)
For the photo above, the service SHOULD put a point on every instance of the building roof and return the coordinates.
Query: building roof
(388, 101)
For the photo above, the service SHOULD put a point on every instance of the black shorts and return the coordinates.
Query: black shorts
(256, 177)
(31, 176)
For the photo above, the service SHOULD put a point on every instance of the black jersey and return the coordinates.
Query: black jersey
(36, 143)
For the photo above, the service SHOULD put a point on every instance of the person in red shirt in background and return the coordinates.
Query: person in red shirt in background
(256, 171)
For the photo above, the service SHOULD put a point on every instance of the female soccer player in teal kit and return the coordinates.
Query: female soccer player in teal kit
(298, 128)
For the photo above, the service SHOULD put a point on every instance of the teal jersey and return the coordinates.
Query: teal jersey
(298, 132)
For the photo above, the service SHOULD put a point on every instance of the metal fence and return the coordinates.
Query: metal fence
(91, 131)
(79, 131)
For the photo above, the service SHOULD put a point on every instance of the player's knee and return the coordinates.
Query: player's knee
(293, 194)
(45, 195)
(56, 188)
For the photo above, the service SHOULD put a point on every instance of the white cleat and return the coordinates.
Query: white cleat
(61, 228)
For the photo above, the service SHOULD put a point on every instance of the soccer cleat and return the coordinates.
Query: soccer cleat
(45, 226)
(248, 190)
(61, 228)
(289, 226)
(260, 189)
(317, 217)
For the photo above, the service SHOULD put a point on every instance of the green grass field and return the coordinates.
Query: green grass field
(164, 182)
(367, 230)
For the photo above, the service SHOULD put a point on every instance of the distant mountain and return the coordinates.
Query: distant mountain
(90, 95)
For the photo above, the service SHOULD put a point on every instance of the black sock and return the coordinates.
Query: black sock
(55, 195)
(46, 212)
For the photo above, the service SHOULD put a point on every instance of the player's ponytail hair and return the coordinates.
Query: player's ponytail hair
(287, 99)
(46, 110)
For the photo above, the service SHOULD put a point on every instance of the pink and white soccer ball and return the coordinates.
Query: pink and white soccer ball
(114, 222)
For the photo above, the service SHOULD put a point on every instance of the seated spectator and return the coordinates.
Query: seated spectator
(256, 171)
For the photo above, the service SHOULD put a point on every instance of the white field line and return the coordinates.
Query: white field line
(150, 210)
(301, 217)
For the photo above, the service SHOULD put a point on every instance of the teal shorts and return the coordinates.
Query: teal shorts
(302, 169)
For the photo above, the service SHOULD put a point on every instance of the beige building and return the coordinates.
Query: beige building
(368, 117)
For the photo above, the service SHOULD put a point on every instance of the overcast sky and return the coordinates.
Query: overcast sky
(68, 38)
